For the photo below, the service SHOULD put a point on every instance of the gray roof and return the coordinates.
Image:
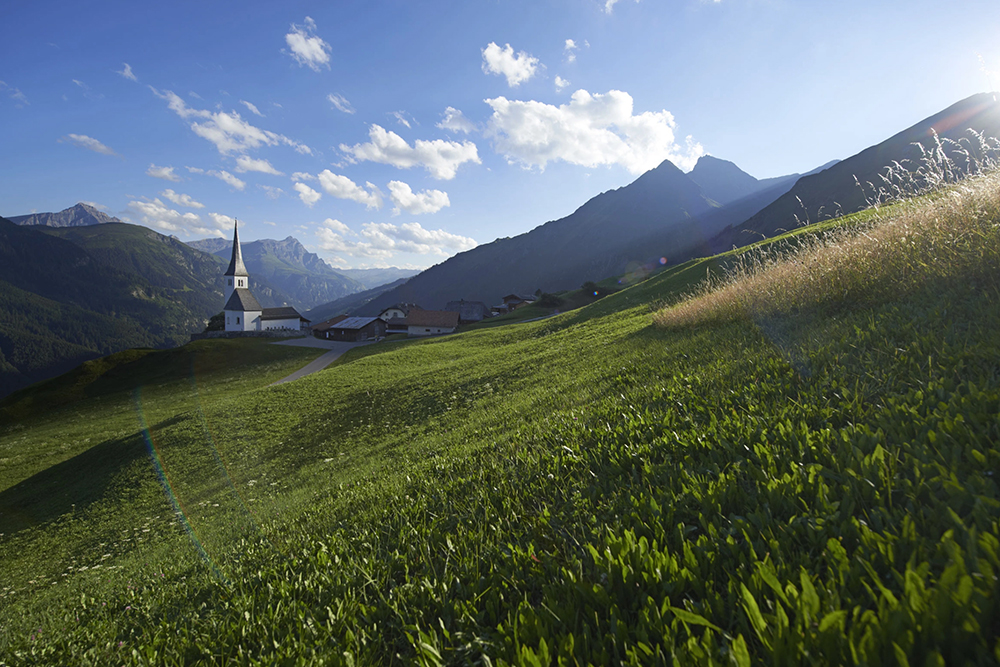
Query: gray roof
(355, 323)
(236, 266)
(283, 313)
(243, 300)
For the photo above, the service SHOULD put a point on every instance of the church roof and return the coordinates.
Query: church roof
(283, 313)
(243, 300)
(236, 266)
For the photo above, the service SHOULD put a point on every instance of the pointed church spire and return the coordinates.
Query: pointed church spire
(236, 266)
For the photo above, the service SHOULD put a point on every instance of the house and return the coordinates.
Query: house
(396, 325)
(513, 302)
(320, 330)
(468, 311)
(357, 329)
(431, 322)
(398, 310)
(242, 310)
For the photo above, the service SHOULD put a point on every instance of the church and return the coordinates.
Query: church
(243, 312)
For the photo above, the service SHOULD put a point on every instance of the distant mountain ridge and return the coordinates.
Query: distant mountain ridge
(80, 215)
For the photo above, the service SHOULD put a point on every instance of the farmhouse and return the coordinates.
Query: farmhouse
(322, 329)
(242, 310)
(357, 329)
(468, 311)
(430, 322)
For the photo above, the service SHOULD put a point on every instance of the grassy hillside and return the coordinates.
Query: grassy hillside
(813, 486)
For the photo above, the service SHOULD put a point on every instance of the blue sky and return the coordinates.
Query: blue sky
(399, 133)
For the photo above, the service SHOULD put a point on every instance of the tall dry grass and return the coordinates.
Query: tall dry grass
(944, 225)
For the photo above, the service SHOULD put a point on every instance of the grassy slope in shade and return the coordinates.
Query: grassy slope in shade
(805, 489)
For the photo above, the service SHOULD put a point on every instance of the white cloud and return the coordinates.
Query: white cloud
(383, 240)
(158, 215)
(454, 121)
(340, 103)
(591, 130)
(252, 108)
(127, 72)
(405, 199)
(228, 131)
(307, 48)
(400, 117)
(181, 200)
(271, 191)
(222, 221)
(91, 144)
(440, 158)
(228, 178)
(245, 164)
(609, 5)
(517, 69)
(166, 173)
(15, 95)
(307, 194)
(569, 49)
(561, 83)
(302, 176)
(342, 187)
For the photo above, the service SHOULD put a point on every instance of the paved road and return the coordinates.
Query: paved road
(335, 349)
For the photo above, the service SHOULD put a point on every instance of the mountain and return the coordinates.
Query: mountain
(373, 278)
(724, 182)
(80, 215)
(835, 190)
(350, 303)
(663, 213)
(301, 277)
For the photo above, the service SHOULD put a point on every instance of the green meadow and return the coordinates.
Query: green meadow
(658, 477)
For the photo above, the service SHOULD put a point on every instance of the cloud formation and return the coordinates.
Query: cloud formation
(307, 48)
(158, 215)
(228, 131)
(127, 72)
(405, 199)
(383, 240)
(253, 109)
(340, 103)
(181, 200)
(517, 69)
(271, 191)
(568, 50)
(245, 164)
(440, 158)
(307, 194)
(166, 173)
(15, 95)
(223, 176)
(342, 187)
(609, 5)
(91, 144)
(590, 131)
(561, 83)
(454, 121)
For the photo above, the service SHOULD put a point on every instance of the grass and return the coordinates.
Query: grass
(797, 489)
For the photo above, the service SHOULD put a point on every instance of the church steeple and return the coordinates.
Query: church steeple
(236, 267)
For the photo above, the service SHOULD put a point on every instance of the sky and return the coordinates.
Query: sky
(399, 133)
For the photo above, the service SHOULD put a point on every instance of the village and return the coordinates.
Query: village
(245, 316)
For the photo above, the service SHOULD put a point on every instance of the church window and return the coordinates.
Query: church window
(237, 320)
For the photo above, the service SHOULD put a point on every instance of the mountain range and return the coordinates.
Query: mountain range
(80, 215)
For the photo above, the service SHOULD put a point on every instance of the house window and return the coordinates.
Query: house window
(428, 330)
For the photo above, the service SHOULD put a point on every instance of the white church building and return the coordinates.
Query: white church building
(243, 312)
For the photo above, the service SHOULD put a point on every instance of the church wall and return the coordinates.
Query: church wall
(291, 323)
(248, 321)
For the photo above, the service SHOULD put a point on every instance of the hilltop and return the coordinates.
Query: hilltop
(80, 215)
(808, 485)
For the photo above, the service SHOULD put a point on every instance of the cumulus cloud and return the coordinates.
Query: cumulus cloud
(158, 215)
(342, 187)
(222, 221)
(253, 109)
(91, 144)
(405, 199)
(302, 176)
(127, 72)
(307, 194)
(245, 164)
(271, 191)
(227, 131)
(224, 176)
(181, 200)
(440, 158)
(609, 5)
(591, 130)
(517, 69)
(306, 47)
(569, 50)
(340, 103)
(454, 121)
(166, 173)
(561, 83)
(383, 240)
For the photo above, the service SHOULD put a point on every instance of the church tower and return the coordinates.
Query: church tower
(243, 313)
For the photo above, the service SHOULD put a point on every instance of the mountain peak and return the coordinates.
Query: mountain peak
(80, 214)
(721, 180)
